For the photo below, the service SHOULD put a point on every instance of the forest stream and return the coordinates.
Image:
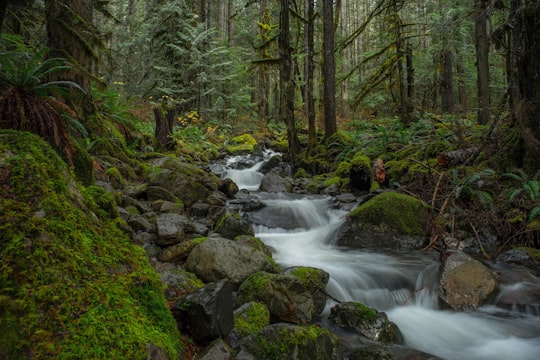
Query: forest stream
(403, 285)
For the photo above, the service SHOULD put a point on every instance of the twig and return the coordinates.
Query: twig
(479, 242)
(412, 295)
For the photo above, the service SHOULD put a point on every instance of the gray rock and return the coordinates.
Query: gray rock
(170, 229)
(315, 281)
(465, 282)
(218, 258)
(207, 313)
(217, 350)
(154, 193)
(273, 182)
(233, 225)
(140, 223)
(369, 322)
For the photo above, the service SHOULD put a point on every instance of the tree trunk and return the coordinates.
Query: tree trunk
(165, 120)
(482, 60)
(329, 70)
(447, 82)
(287, 81)
(527, 50)
(410, 81)
(309, 101)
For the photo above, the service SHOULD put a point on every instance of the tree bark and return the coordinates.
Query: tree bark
(482, 60)
(527, 49)
(287, 81)
(309, 100)
(447, 82)
(329, 70)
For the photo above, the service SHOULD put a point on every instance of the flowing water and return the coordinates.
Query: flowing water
(402, 285)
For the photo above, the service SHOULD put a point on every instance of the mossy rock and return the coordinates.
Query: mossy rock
(343, 169)
(244, 143)
(71, 285)
(251, 318)
(389, 221)
(286, 341)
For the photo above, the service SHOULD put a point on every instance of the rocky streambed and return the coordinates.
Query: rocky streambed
(288, 274)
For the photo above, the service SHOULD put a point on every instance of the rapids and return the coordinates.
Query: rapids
(402, 285)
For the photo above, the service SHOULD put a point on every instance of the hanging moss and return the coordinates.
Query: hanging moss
(71, 285)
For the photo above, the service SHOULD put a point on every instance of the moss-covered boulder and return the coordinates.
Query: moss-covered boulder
(232, 225)
(286, 341)
(369, 322)
(71, 285)
(284, 295)
(315, 280)
(241, 144)
(250, 318)
(387, 221)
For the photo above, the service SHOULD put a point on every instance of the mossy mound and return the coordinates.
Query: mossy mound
(240, 144)
(71, 285)
(387, 221)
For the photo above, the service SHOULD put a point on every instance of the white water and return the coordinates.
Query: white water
(404, 286)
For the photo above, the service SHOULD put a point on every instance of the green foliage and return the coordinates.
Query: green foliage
(472, 185)
(528, 189)
(28, 99)
(253, 319)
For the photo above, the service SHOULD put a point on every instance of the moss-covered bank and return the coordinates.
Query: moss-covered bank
(71, 285)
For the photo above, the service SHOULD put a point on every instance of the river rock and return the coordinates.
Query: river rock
(182, 185)
(367, 321)
(315, 281)
(218, 258)
(170, 229)
(159, 193)
(217, 350)
(179, 252)
(285, 296)
(465, 282)
(388, 221)
(207, 313)
(273, 182)
(292, 342)
(228, 187)
(525, 256)
(233, 225)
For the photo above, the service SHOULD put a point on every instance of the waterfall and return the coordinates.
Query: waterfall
(301, 231)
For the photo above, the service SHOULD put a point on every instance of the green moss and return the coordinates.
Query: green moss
(242, 143)
(255, 317)
(83, 166)
(301, 173)
(115, 177)
(308, 276)
(343, 169)
(104, 200)
(361, 161)
(334, 180)
(76, 286)
(402, 213)
(254, 283)
(290, 341)
(365, 312)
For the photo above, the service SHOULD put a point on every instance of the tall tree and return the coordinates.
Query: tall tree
(482, 60)
(329, 69)
(309, 101)
(287, 80)
(526, 28)
(72, 35)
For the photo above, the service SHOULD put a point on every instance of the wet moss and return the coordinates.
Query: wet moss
(75, 285)
(242, 143)
(365, 312)
(253, 319)
(400, 212)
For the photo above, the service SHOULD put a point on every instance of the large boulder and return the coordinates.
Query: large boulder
(218, 258)
(183, 186)
(386, 221)
(206, 314)
(465, 282)
(170, 229)
(273, 182)
(285, 296)
(367, 321)
(292, 342)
